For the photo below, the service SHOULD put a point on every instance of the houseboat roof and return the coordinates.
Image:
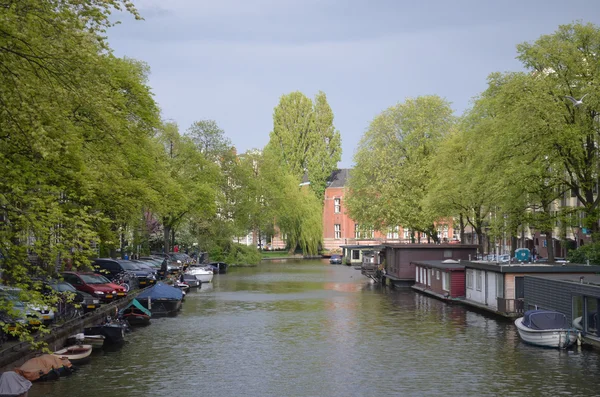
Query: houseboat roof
(363, 246)
(531, 267)
(430, 246)
(588, 279)
(447, 264)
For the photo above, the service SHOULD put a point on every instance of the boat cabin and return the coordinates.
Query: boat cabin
(443, 279)
(399, 258)
(352, 255)
(500, 287)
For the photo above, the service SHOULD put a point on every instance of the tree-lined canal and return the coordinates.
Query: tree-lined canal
(307, 328)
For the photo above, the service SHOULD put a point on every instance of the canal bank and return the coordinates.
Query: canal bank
(307, 328)
(15, 354)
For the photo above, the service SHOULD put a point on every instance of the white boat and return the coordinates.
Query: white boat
(546, 328)
(76, 354)
(202, 274)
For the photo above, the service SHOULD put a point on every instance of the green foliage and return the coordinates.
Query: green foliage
(392, 172)
(305, 139)
(584, 253)
(235, 254)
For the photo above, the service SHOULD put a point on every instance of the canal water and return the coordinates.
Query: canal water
(307, 328)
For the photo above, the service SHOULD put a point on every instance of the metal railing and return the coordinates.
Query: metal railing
(508, 306)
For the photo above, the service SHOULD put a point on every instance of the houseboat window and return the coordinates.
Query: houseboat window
(499, 286)
(591, 305)
(337, 205)
(447, 254)
(429, 277)
(478, 280)
(437, 274)
(417, 273)
(355, 254)
(446, 281)
(337, 230)
(470, 279)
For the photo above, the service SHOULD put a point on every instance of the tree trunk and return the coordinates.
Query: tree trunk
(550, 246)
(461, 221)
(166, 236)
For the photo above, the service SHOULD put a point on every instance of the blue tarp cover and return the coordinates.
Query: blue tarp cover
(161, 291)
(545, 319)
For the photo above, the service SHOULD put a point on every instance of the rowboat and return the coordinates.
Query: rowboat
(76, 354)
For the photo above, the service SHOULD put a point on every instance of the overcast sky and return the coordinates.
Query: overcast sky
(231, 60)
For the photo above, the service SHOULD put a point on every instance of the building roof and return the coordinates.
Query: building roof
(338, 178)
(445, 264)
(588, 279)
(531, 267)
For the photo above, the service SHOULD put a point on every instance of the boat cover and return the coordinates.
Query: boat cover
(13, 384)
(39, 366)
(545, 319)
(161, 291)
(138, 305)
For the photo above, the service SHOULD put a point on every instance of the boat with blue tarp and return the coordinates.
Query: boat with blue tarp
(161, 299)
(546, 328)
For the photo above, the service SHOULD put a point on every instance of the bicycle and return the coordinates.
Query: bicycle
(123, 280)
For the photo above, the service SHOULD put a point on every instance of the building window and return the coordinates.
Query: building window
(356, 230)
(337, 231)
(407, 234)
(470, 279)
(446, 281)
(393, 232)
(337, 207)
(478, 279)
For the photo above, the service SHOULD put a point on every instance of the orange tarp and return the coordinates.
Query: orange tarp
(39, 366)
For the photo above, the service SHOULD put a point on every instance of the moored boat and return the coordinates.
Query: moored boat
(136, 314)
(202, 274)
(546, 328)
(13, 384)
(76, 354)
(113, 332)
(82, 339)
(161, 299)
(45, 367)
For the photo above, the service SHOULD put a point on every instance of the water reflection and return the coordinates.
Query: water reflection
(310, 329)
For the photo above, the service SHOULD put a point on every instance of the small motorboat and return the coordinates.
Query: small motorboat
(76, 354)
(202, 274)
(136, 314)
(45, 367)
(82, 339)
(190, 280)
(218, 267)
(546, 328)
(14, 385)
(161, 299)
(112, 330)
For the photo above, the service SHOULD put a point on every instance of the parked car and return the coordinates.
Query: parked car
(87, 301)
(113, 268)
(95, 284)
(21, 312)
(335, 259)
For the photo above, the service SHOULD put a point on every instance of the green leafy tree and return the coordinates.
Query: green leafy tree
(305, 138)
(392, 172)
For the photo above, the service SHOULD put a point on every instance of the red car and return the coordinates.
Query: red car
(95, 284)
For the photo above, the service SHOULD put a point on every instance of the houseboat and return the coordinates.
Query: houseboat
(442, 279)
(353, 255)
(399, 258)
(500, 287)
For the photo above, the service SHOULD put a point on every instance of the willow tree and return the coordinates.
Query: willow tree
(391, 174)
(305, 138)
